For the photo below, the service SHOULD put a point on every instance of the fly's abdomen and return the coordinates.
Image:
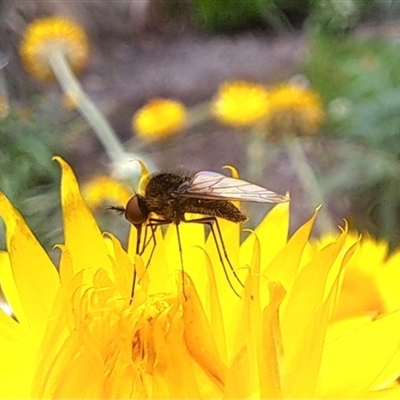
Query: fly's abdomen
(214, 208)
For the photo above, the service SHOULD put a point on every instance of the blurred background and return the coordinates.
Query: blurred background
(346, 52)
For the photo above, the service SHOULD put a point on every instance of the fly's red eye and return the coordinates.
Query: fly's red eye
(133, 213)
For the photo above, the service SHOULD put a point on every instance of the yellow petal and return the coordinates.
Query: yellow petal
(286, 263)
(247, 336)
(352, 362)
(304, 321)
(157, 279)
(17, 359)
(69, 348)
(36, 278)
(236, 387)
(123, 268)
(272, 232)
(388, 280)
(191, 236)
(161, 278)
(271, 347)
(390, 373)
(142, 283)
(195, 380)
(66, 264)
(82, 235)
(197, 330)
(214, 308)
(234, 171)
(224, 277)
(143, 177)
(234, 174)
(10, 290)
(70, 362)
(392, 393)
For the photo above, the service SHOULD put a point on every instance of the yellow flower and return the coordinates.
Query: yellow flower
(295, 109)
(240, 103)
(49, 34)
(159, 118)
(78, 333)
(102, 189)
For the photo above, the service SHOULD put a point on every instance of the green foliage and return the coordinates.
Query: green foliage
(28, 176)
(233, 15)
(321, 16)
(360, 79)
(335, 17)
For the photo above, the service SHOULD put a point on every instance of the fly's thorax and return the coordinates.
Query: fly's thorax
(164, 184)
(160, 197)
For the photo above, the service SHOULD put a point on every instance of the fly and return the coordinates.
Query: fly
(169, 196)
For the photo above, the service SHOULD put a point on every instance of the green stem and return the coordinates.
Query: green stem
(4, 107)
(308, 180)
(91, 113)
(256, 155)
(198, 114)
(4, 110)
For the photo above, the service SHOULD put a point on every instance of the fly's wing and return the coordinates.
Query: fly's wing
(215, 186)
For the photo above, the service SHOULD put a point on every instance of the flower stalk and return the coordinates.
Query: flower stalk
(89, 110)
(4, 100)
(256, 153)
(308, 180)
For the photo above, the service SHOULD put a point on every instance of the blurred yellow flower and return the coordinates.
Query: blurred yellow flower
(103, 188)
(295, 109)
(240, 103)
(159, 118)
(47, 35)
(79, 334)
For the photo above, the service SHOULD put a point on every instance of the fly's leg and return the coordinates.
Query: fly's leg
(210, 221)
(152, 224)
(181, 256)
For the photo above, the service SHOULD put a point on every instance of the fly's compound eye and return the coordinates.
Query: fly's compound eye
(133, 213)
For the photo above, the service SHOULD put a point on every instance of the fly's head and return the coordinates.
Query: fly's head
(136, 211)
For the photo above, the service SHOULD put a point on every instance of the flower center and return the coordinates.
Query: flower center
(153, 326)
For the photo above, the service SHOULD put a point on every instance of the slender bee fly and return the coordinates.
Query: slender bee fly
(169, 196)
